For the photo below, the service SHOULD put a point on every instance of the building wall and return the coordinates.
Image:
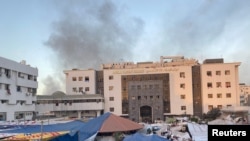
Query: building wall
(227, 94)
(60, 104)
(244, 94)
(187, 85)
(80, 82)
(197, 95)
(175, 82)
(18, 87)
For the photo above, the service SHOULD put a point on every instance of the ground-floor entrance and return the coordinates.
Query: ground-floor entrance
(146, 114)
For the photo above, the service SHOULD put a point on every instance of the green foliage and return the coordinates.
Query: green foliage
(171, 120)
(194, 119)
(212, 114)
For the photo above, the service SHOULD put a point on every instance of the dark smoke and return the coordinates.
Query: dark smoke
(90, 34)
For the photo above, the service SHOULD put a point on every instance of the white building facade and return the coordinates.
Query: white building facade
(220, 83)
(244, 94)
(81, 99)
(18, 88)
(149, 91)
(72, 106)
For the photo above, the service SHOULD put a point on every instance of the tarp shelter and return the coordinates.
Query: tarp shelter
(106, 123)
(45, 136)
(71, 126)
(198, 131)
(144, 137)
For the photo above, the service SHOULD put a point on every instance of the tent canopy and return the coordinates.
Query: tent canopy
(118, 124)
(143, 137)
(68, 126)
(107, 123)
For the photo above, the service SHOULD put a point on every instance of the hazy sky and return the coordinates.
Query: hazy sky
(57, 35)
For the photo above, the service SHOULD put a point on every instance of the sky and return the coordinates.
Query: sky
(58, 35)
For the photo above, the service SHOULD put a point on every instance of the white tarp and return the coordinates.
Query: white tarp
(198, 131)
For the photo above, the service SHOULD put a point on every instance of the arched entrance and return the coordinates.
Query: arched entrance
(146, 114)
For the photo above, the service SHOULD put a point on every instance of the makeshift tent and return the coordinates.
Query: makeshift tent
(106, 123)
(45, 136)
(68, 126)
(198, 131)
(144, 137)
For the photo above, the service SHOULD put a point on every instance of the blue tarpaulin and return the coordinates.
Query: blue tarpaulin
(144, 137)
(91, 128)
(86, 131)
(71, 126)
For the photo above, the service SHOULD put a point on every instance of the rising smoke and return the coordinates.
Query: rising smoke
(89, 34)
(210, 29)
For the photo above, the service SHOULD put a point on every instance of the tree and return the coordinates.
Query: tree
(213, 114)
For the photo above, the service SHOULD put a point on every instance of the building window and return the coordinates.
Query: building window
(74, 89)
(227, 72)
(228, 95)
(157, 86)
(86, 79)
(111, 77)
(182, 96)
(228, 84)
(182, 75)
(18, 89)
(73, 78)
(86, 89)
(218, 73)
(138, 87)
(111, 88)
(183, 107)
(111, 109)
(219, 95)
(80, 89)
(80, 78)
(133, 97)
(210, 107)
(218, 84)
(20, 75)
(229, 105)
(124, 89)
(182, 86)
(219, 106)
(209, 73)
(111, 98)
(210, 95)
(209, 85)
(139, 97)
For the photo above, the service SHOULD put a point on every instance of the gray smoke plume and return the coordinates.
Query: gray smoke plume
(89, 34)
(210, 29)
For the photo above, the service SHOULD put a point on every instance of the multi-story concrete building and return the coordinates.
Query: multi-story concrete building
(220, 84)
(81, 99)
(18, 87)
(244, 94)
(148, 91)
(73, 106)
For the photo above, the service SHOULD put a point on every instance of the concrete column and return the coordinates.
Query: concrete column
(98, 113)
(79, 114)
(10, 116)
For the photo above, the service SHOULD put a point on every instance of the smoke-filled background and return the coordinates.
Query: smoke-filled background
(85, 33)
